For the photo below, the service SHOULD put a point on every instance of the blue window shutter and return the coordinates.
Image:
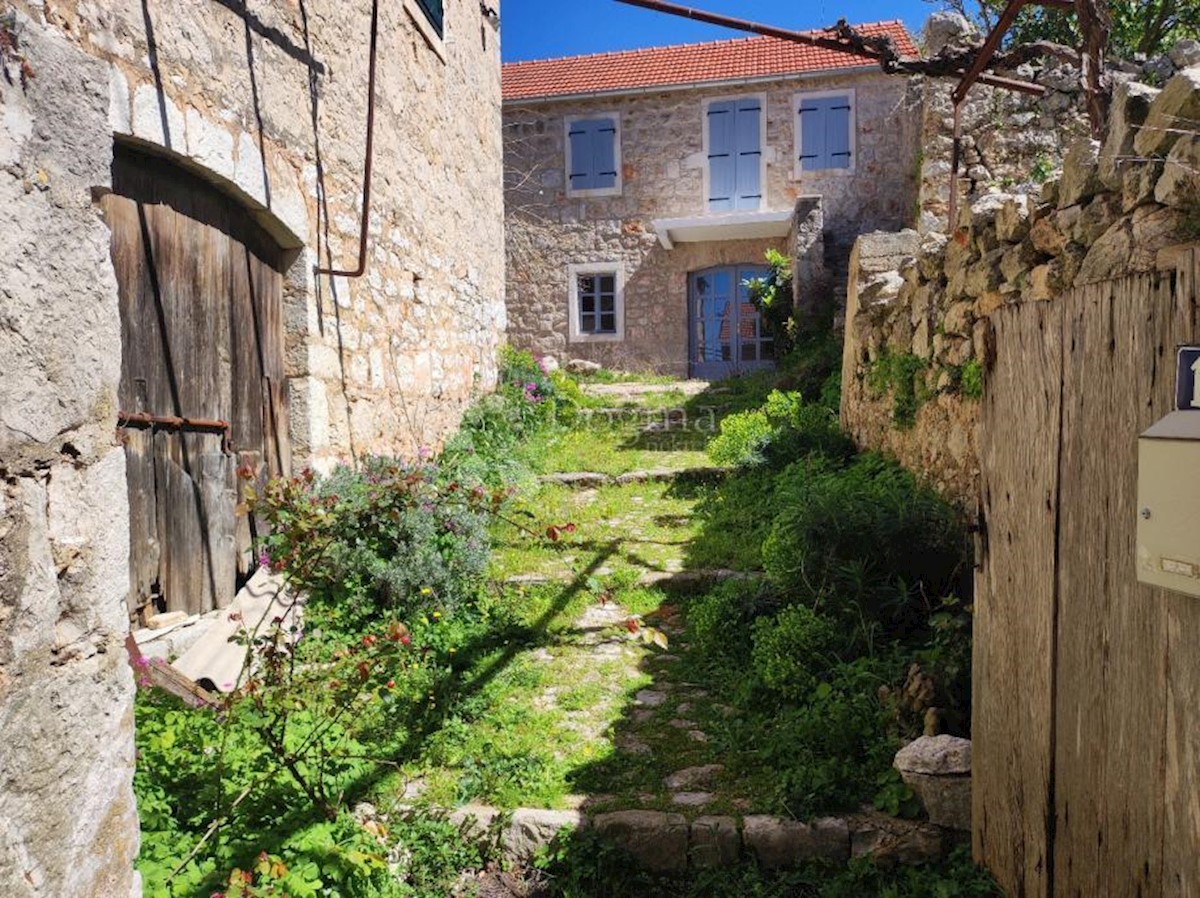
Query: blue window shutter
(811, 122)
(825, 125)
(593, 154)
(604, 152)
(721, 162)
(749, 155)
(580, 174)
(837, 132)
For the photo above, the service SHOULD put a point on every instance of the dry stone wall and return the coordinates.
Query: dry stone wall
(920, 304)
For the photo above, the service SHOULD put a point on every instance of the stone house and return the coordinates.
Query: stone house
(174, 175)
(643, 189)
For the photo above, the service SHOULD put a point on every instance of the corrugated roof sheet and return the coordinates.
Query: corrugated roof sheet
(726, 60)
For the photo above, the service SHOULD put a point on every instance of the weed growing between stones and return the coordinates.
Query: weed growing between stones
(902, 375)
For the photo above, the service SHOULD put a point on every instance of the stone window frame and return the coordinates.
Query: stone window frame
(765, 155)
(437, 43)
(798, 172)
(575, 334)
(619, 186)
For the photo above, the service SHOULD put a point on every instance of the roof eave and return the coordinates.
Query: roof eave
(693, 85)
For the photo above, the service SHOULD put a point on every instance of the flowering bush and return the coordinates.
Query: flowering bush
(388, 536)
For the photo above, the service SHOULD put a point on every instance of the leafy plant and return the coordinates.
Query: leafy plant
(385, 537)
(772, 296)
(795, 650)
(783, 428)
(970, 381)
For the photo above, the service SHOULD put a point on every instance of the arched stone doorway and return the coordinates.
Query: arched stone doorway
(203, 391)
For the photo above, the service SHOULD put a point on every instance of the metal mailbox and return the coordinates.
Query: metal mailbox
(1168, 526)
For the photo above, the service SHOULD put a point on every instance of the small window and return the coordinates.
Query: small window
(596, 299)
(825, 132)
(435, 14)
(597, 303)
(593, 156)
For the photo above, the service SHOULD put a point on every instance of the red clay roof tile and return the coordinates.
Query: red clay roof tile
(726, 60)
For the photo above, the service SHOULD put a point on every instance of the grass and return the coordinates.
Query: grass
(545, 708)
(620, 532)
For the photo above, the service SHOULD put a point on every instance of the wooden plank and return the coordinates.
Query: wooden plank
(1015, 600)
(1181, 781)
(143, 517)
(1081, 724)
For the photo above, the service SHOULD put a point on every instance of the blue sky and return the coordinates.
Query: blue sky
(536, 29)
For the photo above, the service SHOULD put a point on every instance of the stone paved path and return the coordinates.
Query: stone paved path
(645, 748)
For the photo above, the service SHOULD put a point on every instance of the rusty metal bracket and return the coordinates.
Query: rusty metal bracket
(174, 422)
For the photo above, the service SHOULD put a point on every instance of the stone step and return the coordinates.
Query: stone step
(671, 843)
(593, 479)
(664, 579)
(687, 387)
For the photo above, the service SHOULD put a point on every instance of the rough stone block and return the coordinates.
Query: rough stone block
(157, 119)
(1012, 219)
(474, 820)
(1081, 174)
(938, 769)
(779, 843)
(888, 841)
(1130, 106)
(1185, 53)
(655, 840)
(1178, 102)
(1179, 185)
(714, 842)
(1130, 245)
(533, 828)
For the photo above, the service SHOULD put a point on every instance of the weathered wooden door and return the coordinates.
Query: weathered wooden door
(1086, 749)
(202, 389)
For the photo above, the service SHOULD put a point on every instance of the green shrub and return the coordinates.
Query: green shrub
(795, 650)
(772, 296)
(782, 429)
(720, 620)
(866, 542)
(828, 750)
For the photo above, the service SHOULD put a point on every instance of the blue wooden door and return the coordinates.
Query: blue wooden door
(726, 330)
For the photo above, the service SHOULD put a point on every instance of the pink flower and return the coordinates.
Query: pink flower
(264, 559)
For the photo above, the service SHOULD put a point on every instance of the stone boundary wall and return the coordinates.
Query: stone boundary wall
(924, 302)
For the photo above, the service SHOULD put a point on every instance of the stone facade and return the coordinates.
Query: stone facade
(1114, 208)
(268, 103)
(663, 167)
(272, 105)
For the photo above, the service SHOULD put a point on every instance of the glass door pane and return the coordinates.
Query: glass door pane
(713, 310)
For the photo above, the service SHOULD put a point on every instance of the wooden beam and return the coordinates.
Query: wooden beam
(990, 45)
